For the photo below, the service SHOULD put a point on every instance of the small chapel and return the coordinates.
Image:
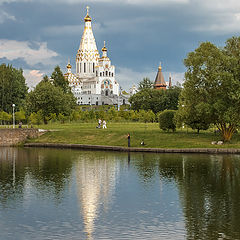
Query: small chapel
(94, 81)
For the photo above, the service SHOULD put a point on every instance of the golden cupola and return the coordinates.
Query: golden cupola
(104, 49)
(87, 18)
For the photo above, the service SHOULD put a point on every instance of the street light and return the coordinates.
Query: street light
(13, 115)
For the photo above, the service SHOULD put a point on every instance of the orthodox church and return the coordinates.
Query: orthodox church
(94, 82)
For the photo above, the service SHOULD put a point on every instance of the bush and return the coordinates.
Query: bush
(166, 120)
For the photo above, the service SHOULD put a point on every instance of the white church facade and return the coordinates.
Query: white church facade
(94, 82)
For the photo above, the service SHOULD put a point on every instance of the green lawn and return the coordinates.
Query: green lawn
(116, 135)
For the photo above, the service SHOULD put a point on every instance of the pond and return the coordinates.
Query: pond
(74, 194)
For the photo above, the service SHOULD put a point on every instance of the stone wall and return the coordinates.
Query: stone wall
(10, 137)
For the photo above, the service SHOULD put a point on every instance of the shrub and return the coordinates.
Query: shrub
(166, 120)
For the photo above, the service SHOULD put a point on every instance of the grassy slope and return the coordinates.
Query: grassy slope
(116, 135)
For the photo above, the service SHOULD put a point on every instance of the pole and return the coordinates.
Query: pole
(13, 115)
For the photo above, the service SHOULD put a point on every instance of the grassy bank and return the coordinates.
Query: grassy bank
(116, 135)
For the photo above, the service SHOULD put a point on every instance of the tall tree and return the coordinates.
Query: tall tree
(212, 86)
(155, 100)
(59, 80)
(49, 99)
(13, 88)
(146, 83)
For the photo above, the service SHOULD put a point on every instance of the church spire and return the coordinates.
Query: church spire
(87, 55)
(159, 81)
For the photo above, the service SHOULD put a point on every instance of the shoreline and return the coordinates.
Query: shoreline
(133, 149)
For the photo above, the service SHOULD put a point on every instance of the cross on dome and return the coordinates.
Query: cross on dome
(87, 18)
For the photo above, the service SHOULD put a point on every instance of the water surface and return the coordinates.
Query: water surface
(71, 194)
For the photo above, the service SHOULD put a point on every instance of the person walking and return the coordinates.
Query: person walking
(128, 136)
(99, 123)
(104, 124)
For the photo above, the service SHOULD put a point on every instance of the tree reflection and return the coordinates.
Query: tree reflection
(209, 190)
(46, 170)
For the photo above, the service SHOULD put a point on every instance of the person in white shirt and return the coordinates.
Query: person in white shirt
(104, 124)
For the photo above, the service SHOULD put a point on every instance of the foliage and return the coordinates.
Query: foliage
(155, 100)
(212, 88)
(146, 83)
(13, 88)
(59, 80)
(195, 117)
(36, 118)
(5, 117)
(20, 116)
(166, 120)
(50, 100)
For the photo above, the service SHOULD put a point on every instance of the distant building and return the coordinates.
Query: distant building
(160, 82)
(133, 90)
(94, 82)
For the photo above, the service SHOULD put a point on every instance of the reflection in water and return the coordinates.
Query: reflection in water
(119, 196)
(96, 179)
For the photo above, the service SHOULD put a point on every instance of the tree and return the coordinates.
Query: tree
(146, 83)
(166, 120)
(13, 88)
(20, 116)
(49, 99)
(211, 91)
(5, 117)
(59, 80)
(155, 100)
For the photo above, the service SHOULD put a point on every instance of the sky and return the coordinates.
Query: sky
(37, 35)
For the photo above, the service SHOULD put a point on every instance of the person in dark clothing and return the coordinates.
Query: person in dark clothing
(128, 136)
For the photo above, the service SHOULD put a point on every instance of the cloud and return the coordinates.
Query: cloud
(127, 77)
(33, 77)
(224, 23)
(12, 50)
(6, 16)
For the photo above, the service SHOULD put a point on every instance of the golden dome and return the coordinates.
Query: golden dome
(87, 18)
(69, 65)
(160, 66)
(104, 49)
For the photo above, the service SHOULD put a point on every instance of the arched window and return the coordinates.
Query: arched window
(93, 67)
(112, 74)
(84, 67)
(106, 73)
(96, 73)
(100, 74)
(103, 74)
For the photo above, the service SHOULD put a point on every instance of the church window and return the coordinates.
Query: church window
(100, 74)
(93, 67)
(112, 74)
(80, 65)
(109, 74)
(106, 73)
(103, 73)
(84, 67)
(96, 73)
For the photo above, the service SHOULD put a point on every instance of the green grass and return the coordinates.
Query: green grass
(116, 135)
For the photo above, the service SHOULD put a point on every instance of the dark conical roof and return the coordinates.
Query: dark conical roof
(159, 81)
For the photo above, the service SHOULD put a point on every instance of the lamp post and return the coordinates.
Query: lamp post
(13, 115)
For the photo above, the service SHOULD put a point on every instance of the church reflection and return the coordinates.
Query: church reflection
(96, 181)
